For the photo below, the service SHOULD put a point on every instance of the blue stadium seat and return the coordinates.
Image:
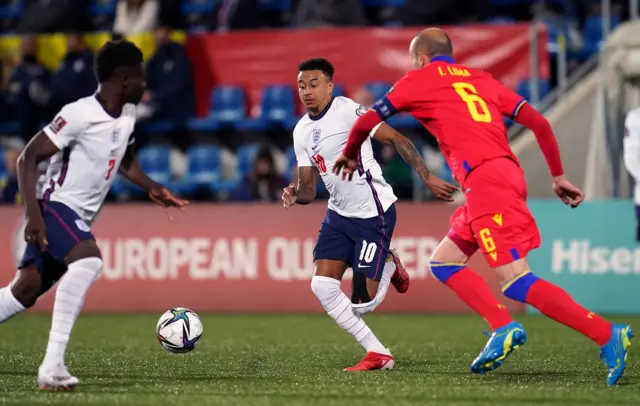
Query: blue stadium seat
(523, 88)
(276, 5)
(593, 29)
(203, 169)
(246, 155)
(199, 6)
(291, 162)
(103, 7)
(278, 109)
(155, 161)
(338, 90)
(13, 10)
(378, 89)
(160, 127)
(10, 127)
(228, 105)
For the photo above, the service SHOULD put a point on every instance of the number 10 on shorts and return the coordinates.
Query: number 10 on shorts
(368, 251)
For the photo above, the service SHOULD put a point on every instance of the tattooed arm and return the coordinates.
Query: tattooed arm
(408, 152)
(405, 148)
(306, 190)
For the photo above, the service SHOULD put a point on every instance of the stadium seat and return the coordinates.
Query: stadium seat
(277, 5)
(199, 6)
(228, 105)
(378, 89)
(246, 155)
(103, 7)
(338, 90)
(291, 162)
(10, 127)
(593, 29)
(278, 109)
(203, 169)
(523, 88)
(155, 161)
(159, 127)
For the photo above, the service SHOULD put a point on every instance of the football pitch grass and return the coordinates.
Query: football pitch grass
(298, 360)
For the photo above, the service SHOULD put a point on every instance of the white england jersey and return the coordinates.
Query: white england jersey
(632, 149)
(319, 141)
(92, 143)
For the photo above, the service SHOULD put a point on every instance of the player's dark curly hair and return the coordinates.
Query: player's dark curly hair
(320, 64)
(114, 55)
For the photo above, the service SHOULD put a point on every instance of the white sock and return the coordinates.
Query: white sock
(383, 287)
(338, 306)
(68, 302)
(9, 305)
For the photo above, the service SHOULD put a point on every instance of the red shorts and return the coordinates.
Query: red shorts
(495, 216)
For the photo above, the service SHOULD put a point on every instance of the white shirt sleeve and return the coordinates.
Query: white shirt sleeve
(632, 144)
(66, 126)
(352, 111)
(301, 154)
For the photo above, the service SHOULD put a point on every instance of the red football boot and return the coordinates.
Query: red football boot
(400, 278)
(373, 361)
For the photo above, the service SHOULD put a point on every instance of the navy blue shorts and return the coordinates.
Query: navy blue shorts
(361, 243)
(64, 230)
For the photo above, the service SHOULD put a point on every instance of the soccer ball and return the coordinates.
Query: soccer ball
(179, 330)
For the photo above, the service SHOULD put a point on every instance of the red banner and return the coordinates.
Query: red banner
(236, 258)
(257, 59)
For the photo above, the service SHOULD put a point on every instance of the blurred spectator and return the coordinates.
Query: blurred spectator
(135, 16)
(169, 80)
(239, 15)
(364, 97)
(170, 14)
(396, 172)
(75, 78)
(46, 16)
(28, 90)
(264, 184)
(322, 13)
(9, 191)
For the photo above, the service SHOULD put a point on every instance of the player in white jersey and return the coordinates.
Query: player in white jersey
(88, 142)
(361, 216)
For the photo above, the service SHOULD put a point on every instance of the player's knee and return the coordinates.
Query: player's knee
(91, 266)
(518, 288)
(27, 289)
(324, 287)
(445, 270)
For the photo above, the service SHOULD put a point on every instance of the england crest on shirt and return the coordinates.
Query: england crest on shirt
(315, 138)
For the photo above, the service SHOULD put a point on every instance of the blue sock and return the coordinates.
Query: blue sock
(445, 270)
(518, 287)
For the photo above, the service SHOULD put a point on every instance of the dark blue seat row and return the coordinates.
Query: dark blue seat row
(204, 169)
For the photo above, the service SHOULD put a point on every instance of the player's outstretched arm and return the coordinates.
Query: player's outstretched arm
(440, 189)
(131, 170)
(37, 150)
(539, 125)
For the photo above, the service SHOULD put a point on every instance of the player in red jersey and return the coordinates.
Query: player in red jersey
(463, 108)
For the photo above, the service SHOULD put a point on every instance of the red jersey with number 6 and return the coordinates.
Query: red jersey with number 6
(461, 107)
